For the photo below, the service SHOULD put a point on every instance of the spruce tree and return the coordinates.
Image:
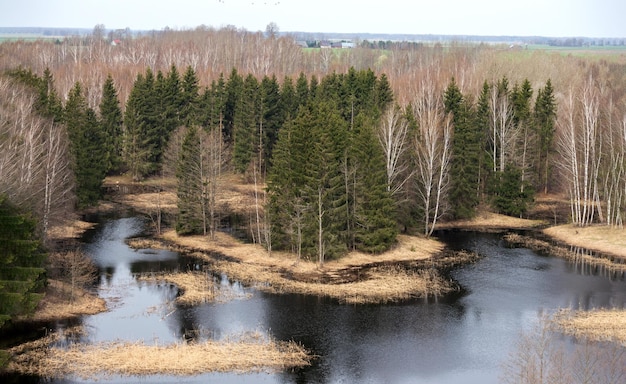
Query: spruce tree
(189, 98)
(271, 118)
(464, 170)
(144, 130)
(246, 125)
(21, 263)
(111, 126)
(545, 119)
(374, 215)
(233, 94)
(189, 177)
(87, 146)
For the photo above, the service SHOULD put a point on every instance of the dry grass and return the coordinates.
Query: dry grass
(356, 278)
(56, 304)
(489, 220)
(598, 238)
(197, 287)
(578, 256)
(247, 353)
(598, 325)
(69, 230)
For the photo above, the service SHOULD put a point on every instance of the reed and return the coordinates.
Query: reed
(57, 305)
(250, 352)
(596, 325)
(599, 238)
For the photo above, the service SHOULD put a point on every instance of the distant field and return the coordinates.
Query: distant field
(26, 37)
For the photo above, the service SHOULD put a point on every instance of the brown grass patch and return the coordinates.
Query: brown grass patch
(598, 325)
(250, 352)
(494, 221)
(356, 278)
(196, 287)
(69, 230)
(599, 238)
(56, 304)
(576, 256)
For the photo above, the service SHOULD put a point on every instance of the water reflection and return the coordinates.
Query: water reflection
(463, 338)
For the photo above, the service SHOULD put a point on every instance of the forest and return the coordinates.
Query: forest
(349, 148)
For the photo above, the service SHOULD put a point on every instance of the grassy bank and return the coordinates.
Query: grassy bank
(246, 353)
(407, 271)
(599, 238)
(597, 325)
(56, 304)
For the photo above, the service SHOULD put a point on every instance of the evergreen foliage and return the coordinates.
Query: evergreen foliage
(513, 195)
(87, 146)
(466, 153)
(111, 125)
(327, 184)
(188, 174)
(21, 262)
(544, 115)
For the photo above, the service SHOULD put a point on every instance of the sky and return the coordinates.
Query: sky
(551, 18)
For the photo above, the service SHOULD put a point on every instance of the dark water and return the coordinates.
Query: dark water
(463, 338)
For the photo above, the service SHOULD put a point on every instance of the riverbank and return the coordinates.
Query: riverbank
(251, 352)
(409, 270)
(596, 325)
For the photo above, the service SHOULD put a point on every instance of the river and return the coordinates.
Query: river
(462, 338)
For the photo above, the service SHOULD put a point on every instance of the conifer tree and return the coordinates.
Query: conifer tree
(233, 95)
(271, 119)
(144, 141)
(545, 119)
(111, 125)
(189, 98)
(465, 154)
(21, 263)
(246, 125)
(374, 216)
(87, 146)
(188, 174)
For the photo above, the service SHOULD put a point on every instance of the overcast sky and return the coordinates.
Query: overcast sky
(557, 18)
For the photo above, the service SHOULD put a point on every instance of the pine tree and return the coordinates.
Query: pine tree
(111, 125)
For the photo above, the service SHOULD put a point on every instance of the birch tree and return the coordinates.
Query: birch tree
(393, 135)
(579, 144)
(432, 146)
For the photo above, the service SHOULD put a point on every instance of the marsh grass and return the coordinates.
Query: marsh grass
(196, 287)
(356, 278)
(610, 262)
(250, 352)
(492, 221)
(597, 325)
(57, 303)
(599, 238)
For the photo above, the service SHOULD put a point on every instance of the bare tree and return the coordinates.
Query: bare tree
(34, 158)
(502, 128)
(393, 137)
(579, 144)
(432, 146)
(73, 268)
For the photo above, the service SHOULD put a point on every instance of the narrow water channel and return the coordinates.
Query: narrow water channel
(463, 338)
